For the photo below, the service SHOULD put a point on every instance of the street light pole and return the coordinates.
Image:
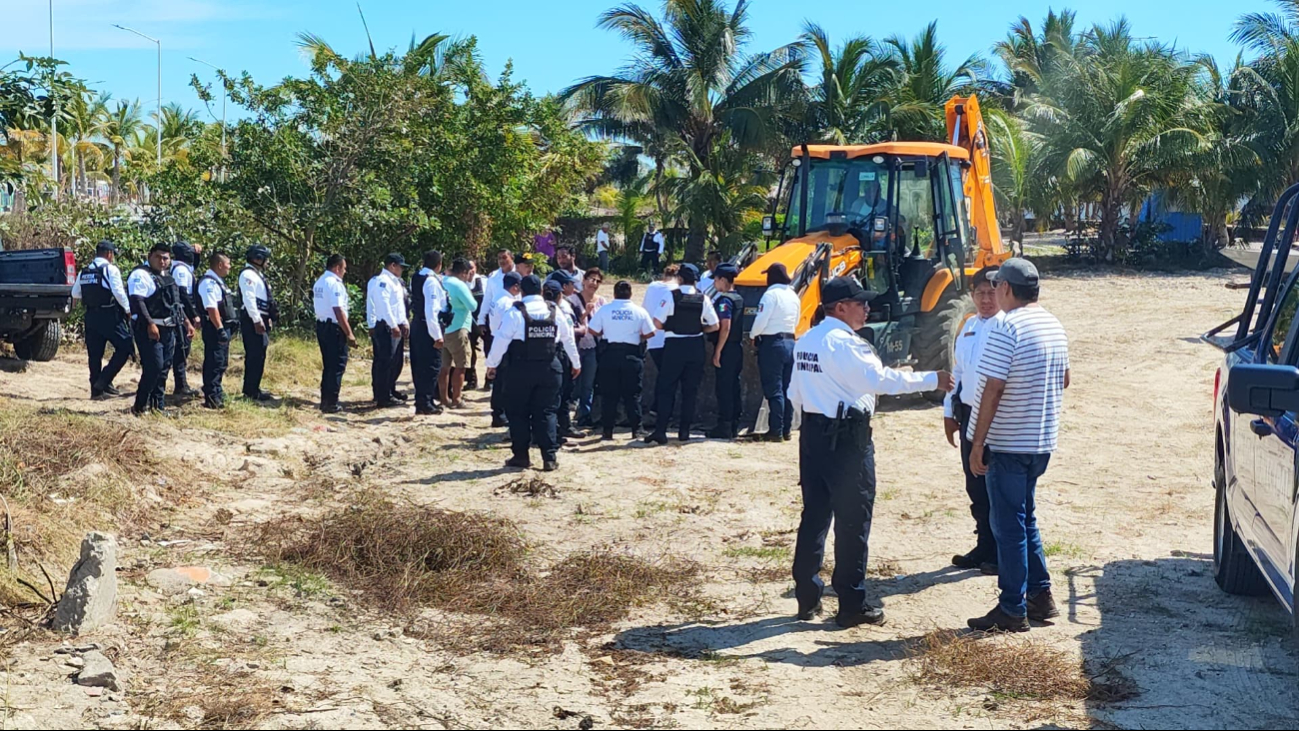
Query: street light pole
(155, 40)
(225, 96)
(54, 118)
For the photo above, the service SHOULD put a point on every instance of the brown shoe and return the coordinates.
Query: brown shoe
(998, 621)
(1042, 607)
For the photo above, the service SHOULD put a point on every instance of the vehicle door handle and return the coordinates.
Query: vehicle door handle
(1261, 428)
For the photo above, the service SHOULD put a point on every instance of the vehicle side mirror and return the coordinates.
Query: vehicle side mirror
(768, 225)
(1266, 390)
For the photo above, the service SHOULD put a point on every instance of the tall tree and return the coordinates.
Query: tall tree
(1029, 55)
(690, 87)
(848, 101)
(924, 83)
(1268, 90)
(120, 126)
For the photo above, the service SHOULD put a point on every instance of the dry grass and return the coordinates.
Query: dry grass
(528, 486)
(403, 557)
(1008, 666)
(223, 700)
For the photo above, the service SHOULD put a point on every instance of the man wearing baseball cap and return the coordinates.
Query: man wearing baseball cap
(728, 353)
(385, 315)
(837, 377)
(101, 289)
(1022, 374)
(684, 315)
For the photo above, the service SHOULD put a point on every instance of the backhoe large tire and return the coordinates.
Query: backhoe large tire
(42, 345)
(934, 341)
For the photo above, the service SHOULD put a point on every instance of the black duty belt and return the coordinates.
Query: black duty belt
(624, 348)
(778, 336)
(848, 420)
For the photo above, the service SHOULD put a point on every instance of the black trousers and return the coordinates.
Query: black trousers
(499, 391)
(387, 363)
(649, 261)
(105, 326)
(619, 378)
(682, 364)
(425, 362)
(333, 360)
(180, 362)
(563, 414)
(838, 483)
(471, 378)
(976, 486)
(216, 358)
(727, 384)
(255, 347)
(531, 397)
(155, 361)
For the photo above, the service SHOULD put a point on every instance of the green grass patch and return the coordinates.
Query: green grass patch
(1064, 549)
(762, 553)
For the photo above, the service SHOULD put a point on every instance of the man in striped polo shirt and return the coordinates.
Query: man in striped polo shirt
(1023, 372)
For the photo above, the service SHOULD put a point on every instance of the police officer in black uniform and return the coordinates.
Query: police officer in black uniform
(100, 288)
(256, 332)
(155, 306)
(728, 353)
(182, 270)
(531, 334)
(684, 315)
(622, 327)
(220, 318)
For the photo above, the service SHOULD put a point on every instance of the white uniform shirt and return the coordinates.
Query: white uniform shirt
(778, 312)
(621, 321)
(140, 284)
(601, 241)
(252, 287)
(210, 293)
(184, 275)
(435, 300)
(706, 281)
(965, 366)
(666, 306)
(834, 365)
(654, 293)
(661, 240)
(497, 310)
(113, 277)
(385, 299)
(513, 328)
(327, 293)
(493, 288)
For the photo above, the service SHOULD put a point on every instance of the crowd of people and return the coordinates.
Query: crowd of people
(552, 345)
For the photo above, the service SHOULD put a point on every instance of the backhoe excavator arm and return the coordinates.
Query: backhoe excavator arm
(965, 129)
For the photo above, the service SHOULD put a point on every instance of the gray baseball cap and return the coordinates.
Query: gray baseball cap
(1016, 271)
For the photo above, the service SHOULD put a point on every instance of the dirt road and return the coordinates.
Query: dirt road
(1126, 511)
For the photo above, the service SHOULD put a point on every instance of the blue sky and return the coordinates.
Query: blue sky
(551, 44)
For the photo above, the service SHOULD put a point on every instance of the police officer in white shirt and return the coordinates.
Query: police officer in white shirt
(157, 315)
(957, 407)
(555, 289)
(496, 310)
(531, 334)
(623, 327)
(428, 299)
(385, 315)
(256, 317)
(220, 318)
(684, 315)
(182, 270)
(773, 333)
(333, 330)
(602, 247)
(100, 288)
(654, 294)
(706, 279)
(652, 244)
(492, 291)
(837, 376)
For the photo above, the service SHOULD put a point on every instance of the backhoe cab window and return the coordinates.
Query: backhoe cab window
(843, 191)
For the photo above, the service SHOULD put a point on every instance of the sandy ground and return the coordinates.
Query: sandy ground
(1126, 510)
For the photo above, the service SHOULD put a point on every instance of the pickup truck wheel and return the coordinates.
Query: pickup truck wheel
(1233, 568)
(42, 345)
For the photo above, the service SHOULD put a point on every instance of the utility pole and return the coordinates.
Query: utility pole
(155, 40)
(54, 118)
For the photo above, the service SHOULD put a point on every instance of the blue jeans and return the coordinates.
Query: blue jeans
(776, 368)
(1012, 482)
(584, 389)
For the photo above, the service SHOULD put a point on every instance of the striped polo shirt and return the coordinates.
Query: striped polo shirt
(1029, 350)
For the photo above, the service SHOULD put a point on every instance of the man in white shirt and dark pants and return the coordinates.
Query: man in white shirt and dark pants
(684, 315)
(333, 330)
(493, 288)
(509, 294)
(602, 247)
(256, 318)
(385, 315)
(100, 288)
(773, 334)
(428, 299)
(220, 318)
(1023, 372)
(157, 315)
(957, 407)
(532, 332)
(652, 244)
(182, 270)
(624, 327)
(837, 377)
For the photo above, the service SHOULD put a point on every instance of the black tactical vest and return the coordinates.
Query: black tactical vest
(647, 244)
(95, 292)
(417, 281)
(164, 304)
(687, 316)
(227, 307)
(540, 336)
(737, 314)
(266, 307)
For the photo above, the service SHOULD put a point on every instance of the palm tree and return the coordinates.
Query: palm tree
(925, 83)
(1017, 181)
(690, 88)
(1118, 119)
(848, 101)
(1028, 56)
(120, 127)
(85, 121)
(1268, 90)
